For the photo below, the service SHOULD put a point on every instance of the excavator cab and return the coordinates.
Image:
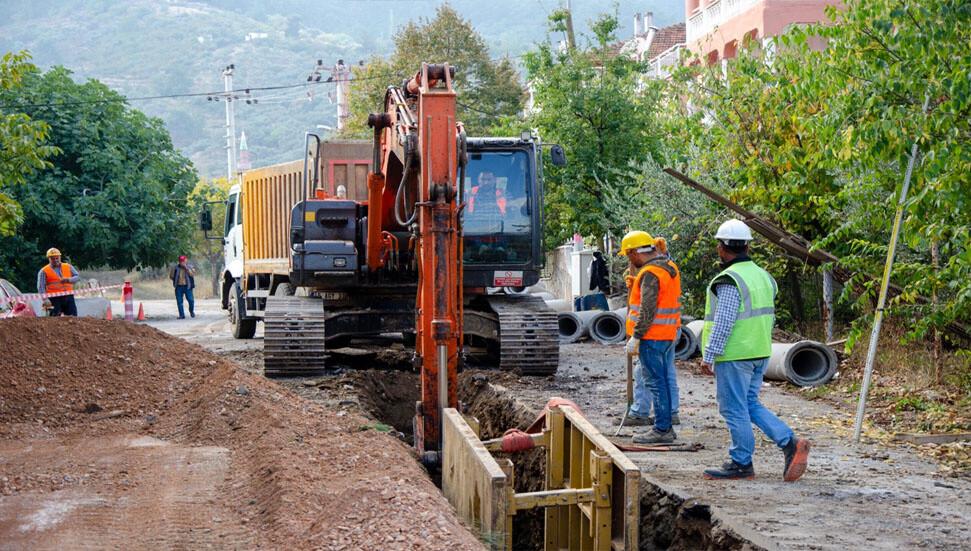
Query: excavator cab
(502, 219)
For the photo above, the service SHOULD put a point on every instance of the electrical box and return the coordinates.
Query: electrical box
(579, 272)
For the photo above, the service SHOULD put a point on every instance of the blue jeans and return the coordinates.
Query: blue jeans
(738, 383)
(655, 383)
(184, 291)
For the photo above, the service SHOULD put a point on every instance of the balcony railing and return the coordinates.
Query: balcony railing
(714, 14)
(660, 66)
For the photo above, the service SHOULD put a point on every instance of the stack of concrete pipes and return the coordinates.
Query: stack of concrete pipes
(803, 363)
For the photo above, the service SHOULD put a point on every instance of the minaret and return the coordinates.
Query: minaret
(244, 158)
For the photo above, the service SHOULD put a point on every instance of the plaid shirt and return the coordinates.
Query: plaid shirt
(729, 300)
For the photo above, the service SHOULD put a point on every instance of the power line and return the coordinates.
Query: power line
(176, 96)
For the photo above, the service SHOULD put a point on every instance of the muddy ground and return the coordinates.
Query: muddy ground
(878, 495)
(119, 436)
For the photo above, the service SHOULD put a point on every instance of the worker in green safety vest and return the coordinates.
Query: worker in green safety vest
(736, 344)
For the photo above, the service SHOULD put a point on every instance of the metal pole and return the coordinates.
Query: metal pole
(878, 317)
(341, 74)
(230, 122)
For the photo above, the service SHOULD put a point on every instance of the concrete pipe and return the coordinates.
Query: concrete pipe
(560, 305)
(696, 327)
(608, 328)
(538, 288)
(805, 363)
(544, 295)
(574, 325)
(687, 345)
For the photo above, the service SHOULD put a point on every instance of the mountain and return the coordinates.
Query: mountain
(147, 48)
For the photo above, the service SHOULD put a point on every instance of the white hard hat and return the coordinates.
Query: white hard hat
(734, 230)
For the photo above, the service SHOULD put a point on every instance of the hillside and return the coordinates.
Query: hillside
(149, 48)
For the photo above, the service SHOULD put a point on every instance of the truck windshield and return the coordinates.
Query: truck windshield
(496, 221)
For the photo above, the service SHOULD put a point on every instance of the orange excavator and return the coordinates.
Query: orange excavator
(449, 221)
(431, 135)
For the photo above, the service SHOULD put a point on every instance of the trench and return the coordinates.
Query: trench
(667, 521)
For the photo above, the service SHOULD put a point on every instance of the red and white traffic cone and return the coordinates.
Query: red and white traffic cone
(141, 312)
(129, 304)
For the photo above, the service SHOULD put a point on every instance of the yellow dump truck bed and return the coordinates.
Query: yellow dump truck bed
(269, 193)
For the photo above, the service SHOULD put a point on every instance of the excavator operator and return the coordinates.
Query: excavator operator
(486, 196)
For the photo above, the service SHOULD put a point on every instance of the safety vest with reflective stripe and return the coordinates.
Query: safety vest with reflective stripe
(51, 276)
(474, 192)
(751, 336)
(667, 317)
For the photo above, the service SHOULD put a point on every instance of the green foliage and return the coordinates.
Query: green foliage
(209, 190)
(597, 107)
(22, 141)
(915, 403)
(115, 195)
(486, 90)
(818, 138)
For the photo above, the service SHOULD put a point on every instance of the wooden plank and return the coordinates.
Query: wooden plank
(472, 480)
(626, 477)
(944, 438)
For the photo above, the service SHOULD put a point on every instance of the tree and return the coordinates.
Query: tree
(486, 90)
(595, 104)
(211, 250)
(819, 140)
(115, 195)
(22, 141)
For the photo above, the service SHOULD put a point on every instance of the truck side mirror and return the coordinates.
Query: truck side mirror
(557, 155)
(205, 220)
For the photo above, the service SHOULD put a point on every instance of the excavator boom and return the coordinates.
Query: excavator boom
(426, 141)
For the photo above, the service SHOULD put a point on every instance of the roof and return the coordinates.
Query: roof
(663, 39)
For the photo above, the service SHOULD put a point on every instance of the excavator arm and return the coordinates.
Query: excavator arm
(419, 149)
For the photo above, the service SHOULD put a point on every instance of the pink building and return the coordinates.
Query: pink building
(717, 28)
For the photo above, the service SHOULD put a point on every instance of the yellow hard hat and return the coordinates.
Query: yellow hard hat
(53, 252)
(635, 240)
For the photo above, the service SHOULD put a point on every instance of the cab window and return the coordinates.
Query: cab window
(496, 221)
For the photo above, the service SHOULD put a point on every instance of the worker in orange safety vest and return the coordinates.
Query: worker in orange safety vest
(486, 195)
(57, 277)
(653, 321)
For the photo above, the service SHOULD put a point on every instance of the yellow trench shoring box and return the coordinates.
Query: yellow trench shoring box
(591, 494)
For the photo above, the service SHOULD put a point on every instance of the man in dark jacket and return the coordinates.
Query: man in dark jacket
(183, 278)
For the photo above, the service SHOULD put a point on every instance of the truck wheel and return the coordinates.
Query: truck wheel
(242, 328)
(283, 290)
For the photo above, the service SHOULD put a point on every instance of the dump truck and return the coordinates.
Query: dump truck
(255, 236)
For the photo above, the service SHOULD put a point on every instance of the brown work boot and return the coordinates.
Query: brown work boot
(796, 454)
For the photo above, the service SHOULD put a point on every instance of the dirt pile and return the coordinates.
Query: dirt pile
(202, 449)
(61, 371)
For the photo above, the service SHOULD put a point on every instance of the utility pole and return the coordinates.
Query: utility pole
(341, 77)
(228, 95)
(342, 80)
(230, 122)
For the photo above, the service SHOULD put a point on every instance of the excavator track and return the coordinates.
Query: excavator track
(529, 338)
(293, 336)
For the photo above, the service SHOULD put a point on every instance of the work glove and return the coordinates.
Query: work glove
(631, 346)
